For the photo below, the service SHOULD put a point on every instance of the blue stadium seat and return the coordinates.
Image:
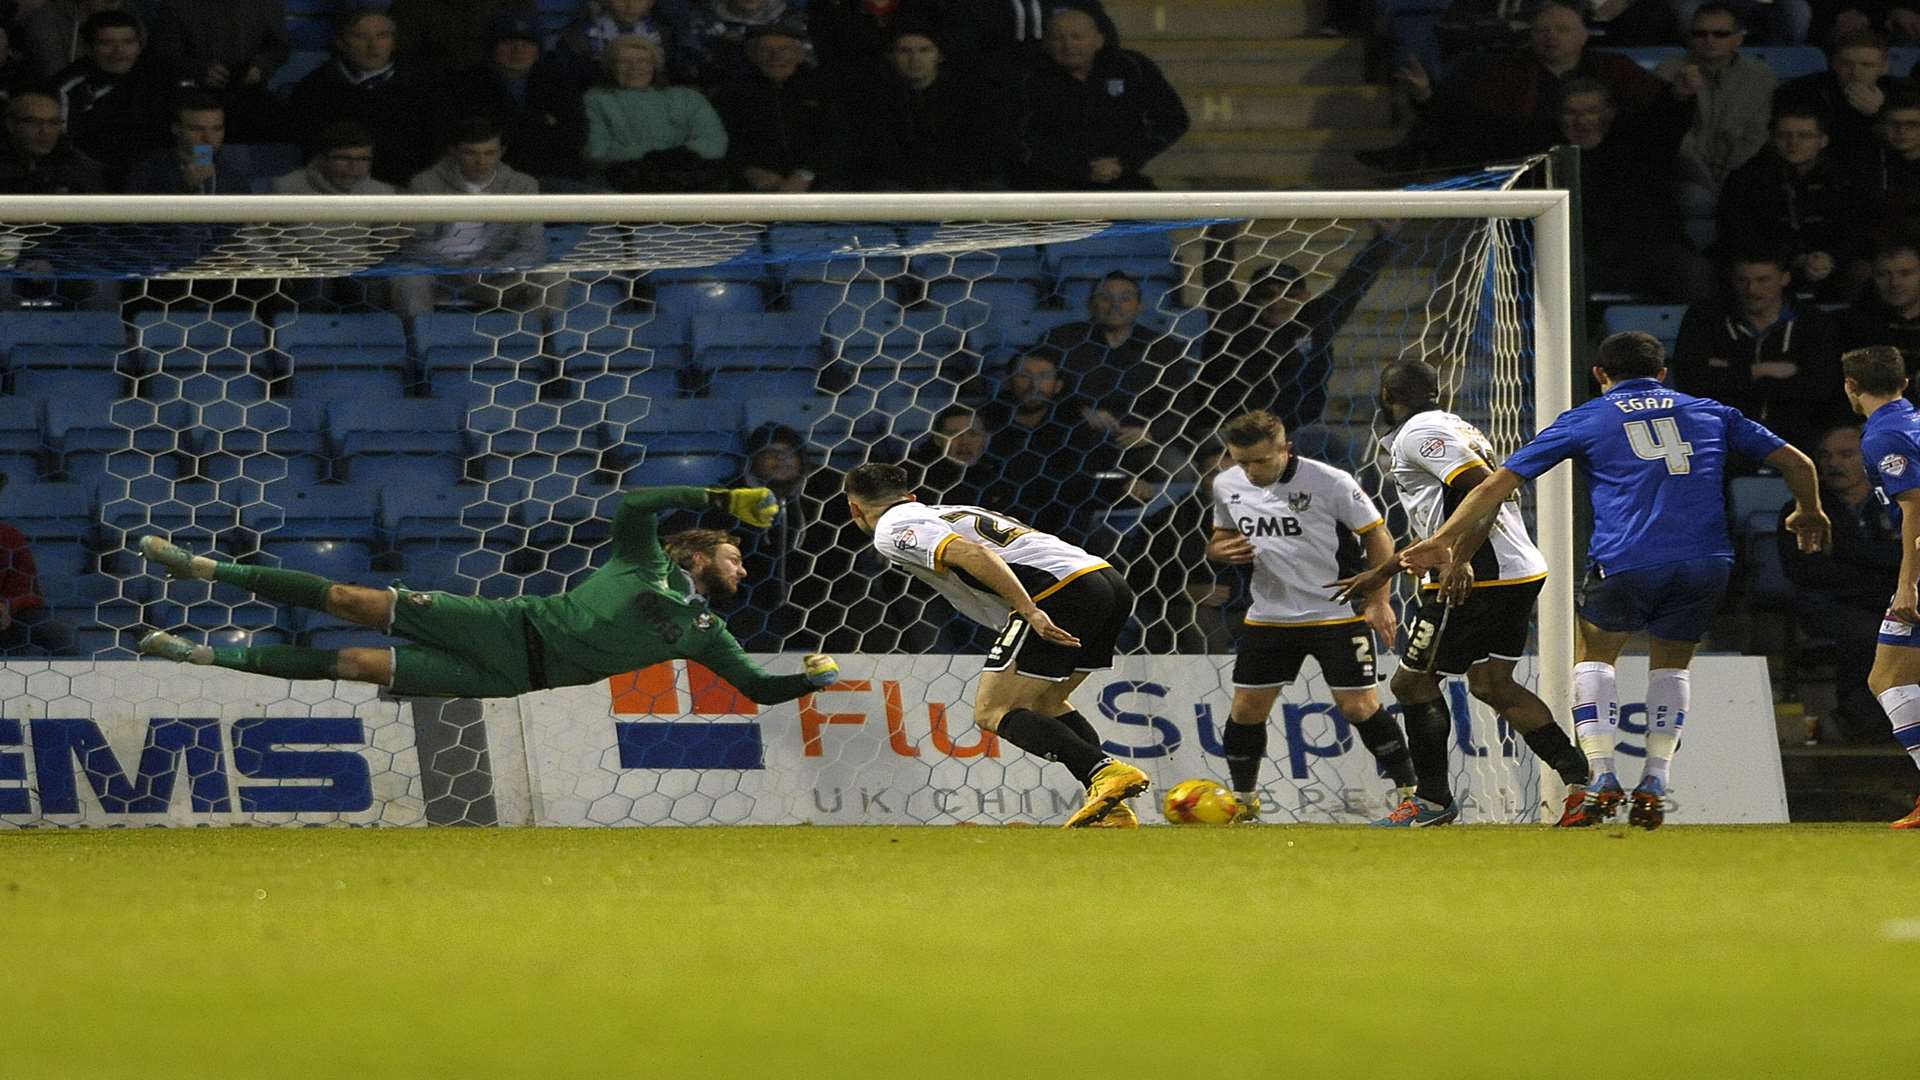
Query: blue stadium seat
(298, 66)
(54, 511)
(23, 440)
(742, 385)
(74, 374)
(395, 427)
(436, 512)
(742, 270)
(481, 335)
(1004, 298)
(1791, 61)
(670, 443)
(343, 357)
(327, 512)
(1021, 333)
(698, 470)
(813, 417)
(819, 298)
(101, 643)
(1649, 56)
(309, 34)
(63, 328)
(599, 384)
(684, 299)
(999, 264)
(1754, 502)
(1660, 320)
(345, 561)
(263, 161)
(772, 340)
(1901, 59)
(704, 414)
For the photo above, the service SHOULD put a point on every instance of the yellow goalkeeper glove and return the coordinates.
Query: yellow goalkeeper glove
(756, 506)
(821, 670)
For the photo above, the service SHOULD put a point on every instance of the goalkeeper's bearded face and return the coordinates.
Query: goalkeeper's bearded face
(719, 574)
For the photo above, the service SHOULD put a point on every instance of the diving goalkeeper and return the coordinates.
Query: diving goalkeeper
(647, 604)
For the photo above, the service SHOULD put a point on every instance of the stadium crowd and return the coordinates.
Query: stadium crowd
(658, 96)
(1778, 212)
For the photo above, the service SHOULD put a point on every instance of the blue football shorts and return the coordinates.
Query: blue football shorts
(1672, 601)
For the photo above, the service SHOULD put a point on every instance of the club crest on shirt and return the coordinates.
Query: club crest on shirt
(1432, 448)
(1116, 87)
(703, 621)
(1234, 498)
(905, 540)
(420, 599)
(1299, 501)
(1894, 465)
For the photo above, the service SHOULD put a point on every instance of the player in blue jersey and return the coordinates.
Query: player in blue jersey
(1655, 462)
(1876, 382)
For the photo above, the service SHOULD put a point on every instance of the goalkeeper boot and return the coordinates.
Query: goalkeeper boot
(1120, 817)
(1911, 821)
(1112, 784)
(1247, 812)
(1417, 813)
(179, 650)
(1649, 803)
(1570, 815)
(178, 561)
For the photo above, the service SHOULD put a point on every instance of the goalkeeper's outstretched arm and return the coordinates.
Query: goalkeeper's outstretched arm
(636, 525)
(727, 660)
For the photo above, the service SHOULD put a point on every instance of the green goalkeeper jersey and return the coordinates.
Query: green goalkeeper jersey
(640, 609)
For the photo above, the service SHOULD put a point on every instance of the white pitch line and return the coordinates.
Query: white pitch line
(1901, 929)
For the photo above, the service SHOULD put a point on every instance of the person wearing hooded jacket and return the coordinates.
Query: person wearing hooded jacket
(1094, 113)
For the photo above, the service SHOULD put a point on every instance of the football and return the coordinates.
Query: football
(1200, 802)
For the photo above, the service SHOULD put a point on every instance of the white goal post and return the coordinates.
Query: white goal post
(960, 222)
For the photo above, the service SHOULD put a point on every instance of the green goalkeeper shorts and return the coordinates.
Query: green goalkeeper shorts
(464, 646)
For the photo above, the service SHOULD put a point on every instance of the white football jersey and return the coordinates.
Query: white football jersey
(913, 536)
(1305, 528)
(1431, 449)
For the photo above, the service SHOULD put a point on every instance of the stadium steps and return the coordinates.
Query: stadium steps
(1847, 783)
(1273, 105)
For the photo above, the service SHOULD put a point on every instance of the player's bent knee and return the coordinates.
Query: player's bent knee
(1413, 685)
(364, 665)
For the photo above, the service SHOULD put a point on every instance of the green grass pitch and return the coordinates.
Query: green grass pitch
(958, 952)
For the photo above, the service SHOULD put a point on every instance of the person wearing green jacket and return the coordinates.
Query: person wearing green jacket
(647, 604)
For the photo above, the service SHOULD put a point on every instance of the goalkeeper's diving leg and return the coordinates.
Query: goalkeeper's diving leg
(355, 603)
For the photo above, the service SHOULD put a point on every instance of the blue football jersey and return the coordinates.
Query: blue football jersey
(1655, 461)
(1890, 449)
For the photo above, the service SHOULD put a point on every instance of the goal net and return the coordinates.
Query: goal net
(362, 390)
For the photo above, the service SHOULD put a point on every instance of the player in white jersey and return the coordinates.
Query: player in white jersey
(1475, 615)
(1059, 611)
(1299, 524)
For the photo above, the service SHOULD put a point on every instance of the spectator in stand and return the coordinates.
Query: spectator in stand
(1849, 93)
(717, 41)
(928, 130)
(1772, 22)
(582, 47)
(535, 101)
(26, 625)
(193, 165)
(1635, 237)
(946, 465)
(50, 34)
(1095, 113)
(851, 38)
(1890, 312)
(1732, 95)
(342, 164)
(38, 160)
(1898, 19)
(997, 40)
(1755, 349)
(1116, 369)
(1046, 465)
(1179, 603)
(472, 165)
(762, 614)
(1508, 105)
(362, 82)
(645, 136)
(1794, 197)
(1889, 173)
(1841, 591)
(449, 35)
(14, 68)
(115, 99)
(229, 48)
(784, 132)
(1272, 347)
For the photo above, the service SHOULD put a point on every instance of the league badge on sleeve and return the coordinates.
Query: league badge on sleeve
(1433, 448)
(1894, 465)
(905, 540)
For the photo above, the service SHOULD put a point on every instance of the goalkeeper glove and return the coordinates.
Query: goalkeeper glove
(755, 506)
(821, 670)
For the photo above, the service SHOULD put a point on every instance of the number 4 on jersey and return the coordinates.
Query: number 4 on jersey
(1662, 443)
